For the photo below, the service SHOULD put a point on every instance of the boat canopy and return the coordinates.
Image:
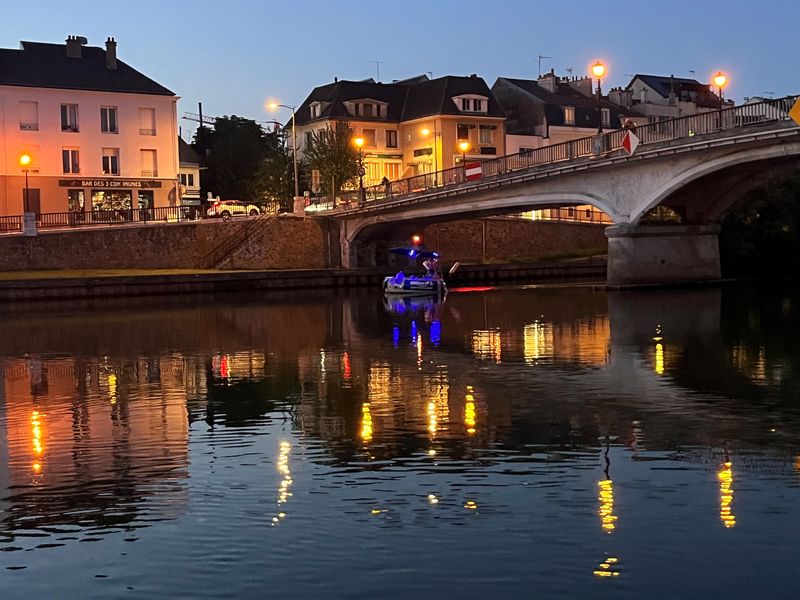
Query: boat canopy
(414, 252)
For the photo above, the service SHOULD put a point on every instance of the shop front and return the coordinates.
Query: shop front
(111, 200)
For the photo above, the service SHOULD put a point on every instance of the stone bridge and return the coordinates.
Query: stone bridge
(696, 166)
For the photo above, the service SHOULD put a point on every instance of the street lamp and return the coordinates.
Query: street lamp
(276, 106)
(426, 132)
(720, 81)
(359, 142)
(464, 146)
(599, 71)
(25, 161)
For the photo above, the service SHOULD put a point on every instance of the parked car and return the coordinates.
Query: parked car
(227, 209)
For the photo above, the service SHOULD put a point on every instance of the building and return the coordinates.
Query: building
(660, 98)
(99, 134)
(189, 174)
(552, 109)
(410, 127)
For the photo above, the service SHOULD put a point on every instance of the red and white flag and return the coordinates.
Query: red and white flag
(473, 170)
(630, 142)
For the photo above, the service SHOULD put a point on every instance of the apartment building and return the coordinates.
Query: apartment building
(95, 133)
(661, 97)
(410, 127)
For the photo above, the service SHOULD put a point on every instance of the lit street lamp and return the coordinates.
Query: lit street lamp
(25, 162)
(436, 134)
(720, 81)
(464, 146)
(359, 142)
(599, 71)
(276, 106)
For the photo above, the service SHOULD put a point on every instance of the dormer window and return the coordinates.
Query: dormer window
(471, 103)
(315, 110)
(369, 109)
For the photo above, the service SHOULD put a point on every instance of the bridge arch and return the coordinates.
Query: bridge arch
(726, 192)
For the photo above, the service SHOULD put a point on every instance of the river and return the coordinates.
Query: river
(548, 442)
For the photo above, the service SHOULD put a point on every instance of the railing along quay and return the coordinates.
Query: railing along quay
(768, 111)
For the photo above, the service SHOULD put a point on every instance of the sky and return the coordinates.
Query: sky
(236, 55)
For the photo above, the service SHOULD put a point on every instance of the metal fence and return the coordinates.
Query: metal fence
(600, 145)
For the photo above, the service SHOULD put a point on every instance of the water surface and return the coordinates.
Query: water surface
(519, 442)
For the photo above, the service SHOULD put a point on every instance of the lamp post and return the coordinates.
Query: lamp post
(720, 81)
(25, 162)
(599, 71)
(436, 134)
(464, 146)
(359, 142)
(275, 106)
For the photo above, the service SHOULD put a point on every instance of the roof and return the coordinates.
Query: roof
(42, 65)
(662, 84)
(186, 153)
(409, 99)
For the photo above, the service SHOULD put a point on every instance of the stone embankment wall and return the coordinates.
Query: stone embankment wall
(515, 240)
(280, 243)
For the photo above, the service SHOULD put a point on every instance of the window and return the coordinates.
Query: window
(569, 115)
(463, 131)
(315, 110)
(391, 138)
(110, 161)
(28, 115)
(368, 109)
(69, 117)
(69, 160)
(147, 121)
(486, 134)
(369, 138)
(466, 104)
(108, 119)
(477, 105)
(148, 163)
(392, 171)
(606, 117)
(187, 179)
(373, 171)
(309, 135)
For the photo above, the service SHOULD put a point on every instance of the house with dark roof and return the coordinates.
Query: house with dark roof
(552, 109)
(97, 133)
(190, 165)
(410, 127)
(660, 98)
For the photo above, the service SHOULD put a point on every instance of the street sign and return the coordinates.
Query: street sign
(361, 171)
(630, 142)
(316, 183)
(473, 170)
(795, 112)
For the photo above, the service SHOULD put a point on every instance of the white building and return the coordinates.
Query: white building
(100, 135)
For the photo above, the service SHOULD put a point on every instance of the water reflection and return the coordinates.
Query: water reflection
(483, 411)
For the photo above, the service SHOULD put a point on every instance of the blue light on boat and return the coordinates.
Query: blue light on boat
(413, 331)
(396, 336)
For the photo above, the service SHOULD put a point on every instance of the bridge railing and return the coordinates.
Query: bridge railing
(601, 145)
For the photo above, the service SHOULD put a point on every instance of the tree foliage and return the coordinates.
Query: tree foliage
(762, 230)
(244, 161)
(331, 151)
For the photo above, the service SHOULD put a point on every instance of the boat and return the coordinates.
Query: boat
(430, 284)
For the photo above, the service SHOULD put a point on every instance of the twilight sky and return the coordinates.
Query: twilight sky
(234, 55)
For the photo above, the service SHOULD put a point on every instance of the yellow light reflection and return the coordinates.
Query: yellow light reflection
(659, 367)
(486, 343)
(419, 350)
(112, 388)
(608, 568)
(37, 437)
(725, 476)
(282, 466)
(471, 505)
(606, 510)
(537, 340)
(432, 499)
(366, 423)
(433, 422)
(470, 414)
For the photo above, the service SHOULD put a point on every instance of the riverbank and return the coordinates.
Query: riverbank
(51, 285)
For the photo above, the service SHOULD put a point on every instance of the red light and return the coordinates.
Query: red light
(416, 239)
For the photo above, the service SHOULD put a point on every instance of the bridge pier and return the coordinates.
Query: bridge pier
(645, 254)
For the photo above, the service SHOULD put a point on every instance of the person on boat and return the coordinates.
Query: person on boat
(431, 268)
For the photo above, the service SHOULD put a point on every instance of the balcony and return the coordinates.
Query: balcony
(147, 132)
(149, 173)
(29, 127)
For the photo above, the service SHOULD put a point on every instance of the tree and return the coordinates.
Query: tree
(331, 152)
(235, 152)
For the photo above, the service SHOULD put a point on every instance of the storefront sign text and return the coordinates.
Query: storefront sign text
(110, 183)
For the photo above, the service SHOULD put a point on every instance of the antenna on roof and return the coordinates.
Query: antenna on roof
(769, 95)
(569, 72)
(692, 72)
(540, 63)
(378, 64)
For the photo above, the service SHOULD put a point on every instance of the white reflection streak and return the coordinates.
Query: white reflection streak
(283, 489)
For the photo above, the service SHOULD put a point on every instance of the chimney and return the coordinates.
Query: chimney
(583, 85)
(74, 43)
(111, 53)
(549, 82)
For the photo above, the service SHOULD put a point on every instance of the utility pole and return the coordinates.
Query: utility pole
(378, 64)
(540, 63)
